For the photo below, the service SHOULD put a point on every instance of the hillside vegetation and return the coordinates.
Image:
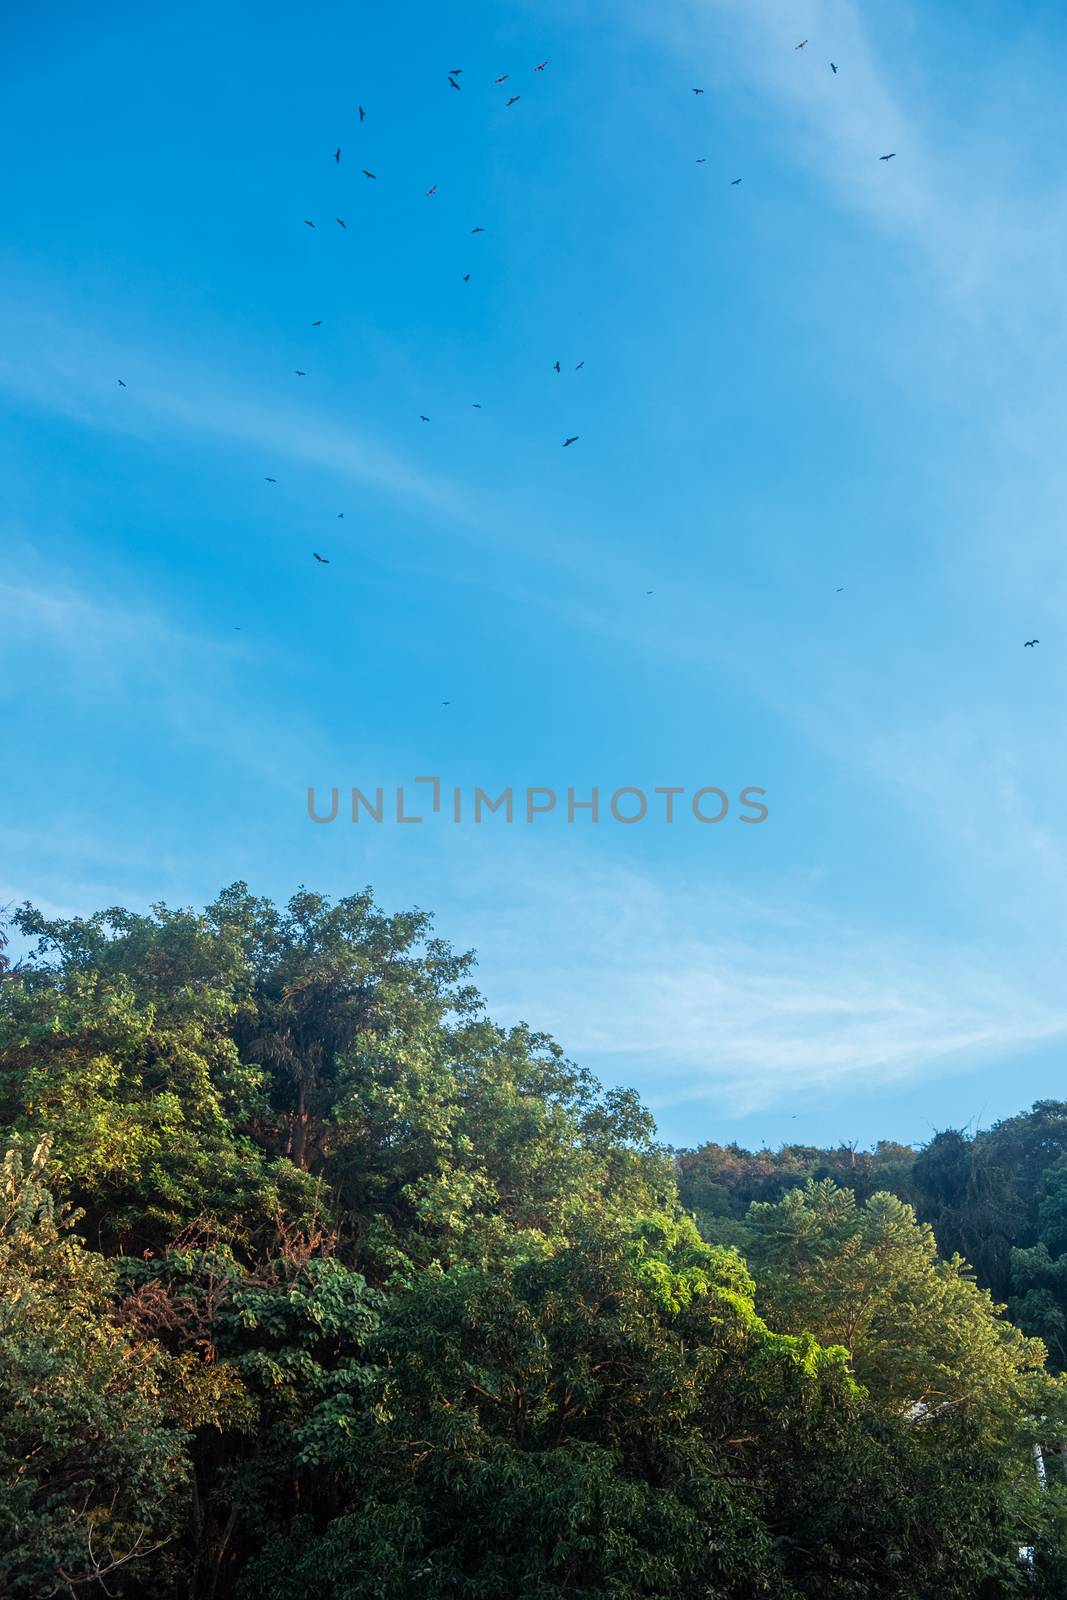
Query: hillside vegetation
(314, 1281)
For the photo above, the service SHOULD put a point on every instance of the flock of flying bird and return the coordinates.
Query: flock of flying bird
(453, 75)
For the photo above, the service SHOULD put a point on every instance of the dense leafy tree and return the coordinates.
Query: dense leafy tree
(94, 1426)
(920, 1334)
(367, 1297)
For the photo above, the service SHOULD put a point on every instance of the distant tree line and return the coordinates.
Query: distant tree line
(315, 1282)
(997, 1197)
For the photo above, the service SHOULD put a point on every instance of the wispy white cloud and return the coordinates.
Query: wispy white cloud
(717, 998)
(709, 997)
(72, 372)
(66, 367)
(952, 192)
(110, 660)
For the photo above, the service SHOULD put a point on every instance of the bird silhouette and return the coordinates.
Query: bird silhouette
(540, 67)
(341, 223)
(889, 157)
(367, 174)
(698, 91)
(300, 374)
(476, 405)
(572, 440)
(1029, 645)
(121, 384)
(340, 515)
(433, 190)
(362, 114)
(308, 224)
(839, 591)
(833, 69)
(513, 99)
(477, 230)
(701, 160)
(734, 182)
(317, 324)
(271, 480)
(324, 559)
(337, 155)
(446, 702)
(801, 45)
(452, 81)
(579, 367)
(466, 277)
(456, 72)
(504, 79)
(422, 418)
(557, 366)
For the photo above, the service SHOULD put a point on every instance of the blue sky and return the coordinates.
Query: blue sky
(840, 374)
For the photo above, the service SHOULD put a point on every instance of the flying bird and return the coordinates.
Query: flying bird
(362, 114)
(504, 79)
(476, 405)
(422, 418)
(839, 591)
(572, 440)
(308, 224)
(701, 160)
(540, 67)
(889, 157)
(337, 155)
(367, 174)
(317, 324)
(466, 277)
(271, 480)
(1029, 645)
(452, 81)
(457, 72)
(341, 223)
(324, 559)
(433, 190)
(698, 91)
(579, 367)
(300, 374)
(477, 230)
(121, 384)
(557, 366)
(801, 45)
(340, 514)
(513, 99)
(833, 69)
(734, 182)
(446, 702)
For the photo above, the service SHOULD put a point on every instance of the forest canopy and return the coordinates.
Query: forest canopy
(315, 1280)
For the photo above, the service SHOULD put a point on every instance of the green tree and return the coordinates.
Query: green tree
(93, 1424)
(918, 1330)
(371, 1297)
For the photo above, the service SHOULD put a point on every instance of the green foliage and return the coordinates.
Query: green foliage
(998, 1198)
(367, 1297)
(920, 1333)
(93, 1454)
